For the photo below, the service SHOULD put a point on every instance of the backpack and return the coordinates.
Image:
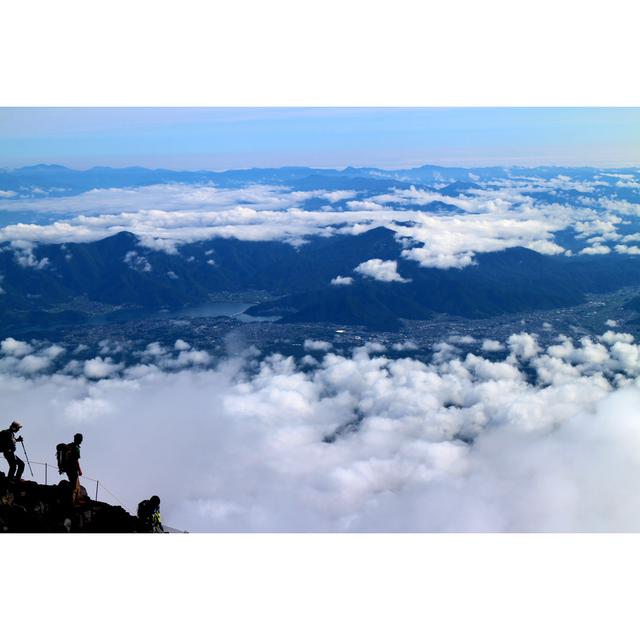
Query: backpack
(62, 451)
(144, 514)
(5, 440)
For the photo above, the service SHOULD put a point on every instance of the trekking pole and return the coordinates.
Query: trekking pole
(27, 457)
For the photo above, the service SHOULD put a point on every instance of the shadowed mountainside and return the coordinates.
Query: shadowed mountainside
(119, 270)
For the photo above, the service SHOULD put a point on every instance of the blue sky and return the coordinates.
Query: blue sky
(223, 138)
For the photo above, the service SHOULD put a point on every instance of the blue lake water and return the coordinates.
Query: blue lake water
(206, 310)
(215, 309)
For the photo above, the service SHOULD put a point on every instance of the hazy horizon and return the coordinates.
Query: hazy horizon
(219, 139)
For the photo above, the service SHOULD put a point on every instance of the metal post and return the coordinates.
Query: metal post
(45, 472)
(97, 483)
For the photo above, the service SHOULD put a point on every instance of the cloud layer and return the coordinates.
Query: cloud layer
(438, 229)
(539, 439)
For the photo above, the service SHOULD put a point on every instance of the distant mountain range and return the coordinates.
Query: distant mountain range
(119, 271)
(71, 181)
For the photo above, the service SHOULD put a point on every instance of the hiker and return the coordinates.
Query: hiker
(8, 447)
(69, 462)
(149, 515)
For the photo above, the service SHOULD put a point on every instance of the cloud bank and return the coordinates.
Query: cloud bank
(539, 439)
(490, 216)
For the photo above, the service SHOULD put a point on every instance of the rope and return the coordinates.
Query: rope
(85, 477)
(113, 495)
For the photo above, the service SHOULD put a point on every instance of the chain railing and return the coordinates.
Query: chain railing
(46, 470)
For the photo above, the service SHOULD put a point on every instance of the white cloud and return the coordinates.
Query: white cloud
(358, 443)
(407, 345)
(456, 339)
(170, 197)
(193, 357)
(137, 262)
(98, 368)
(501, 214)
(523, 345)
(317, 345)
(611, 337)
(13, 347)
(33, 364)
(23, 252)
(166, 215)
(52, 352)
(596, 249)
(491, 345)
(633, 250)
(342, 280)
(382, 270)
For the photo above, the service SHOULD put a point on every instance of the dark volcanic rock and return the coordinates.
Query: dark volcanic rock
(29, 507)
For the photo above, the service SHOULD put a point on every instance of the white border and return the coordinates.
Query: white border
(495, 52)
(334, 52)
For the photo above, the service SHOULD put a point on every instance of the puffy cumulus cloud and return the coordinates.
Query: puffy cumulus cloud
(452, 241)
(611, 337)
(189, 358)
(317, 345)
(491, 345)
(98, 367)
(497, 215)
(33, 364)
(523, 346)
(342, 281)
(633, 250)
(12, 347)
(53, 351)
(25, 257)
(596, 249)
(382, 270)
(360, 442)
(137, 262)
(27, 359)
(605, 228)
(617, 206)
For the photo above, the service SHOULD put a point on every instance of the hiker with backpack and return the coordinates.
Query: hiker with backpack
(8, 447)
(149, 516)
(68, 457)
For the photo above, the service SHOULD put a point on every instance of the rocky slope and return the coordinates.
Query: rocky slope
(29, 507)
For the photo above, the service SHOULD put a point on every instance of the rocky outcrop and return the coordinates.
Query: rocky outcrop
(29, 507)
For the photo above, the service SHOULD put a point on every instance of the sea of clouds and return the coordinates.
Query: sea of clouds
(496, 215)
(508, 437)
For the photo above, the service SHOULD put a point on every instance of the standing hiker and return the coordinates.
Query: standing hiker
(69, 462)
(8, 447)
